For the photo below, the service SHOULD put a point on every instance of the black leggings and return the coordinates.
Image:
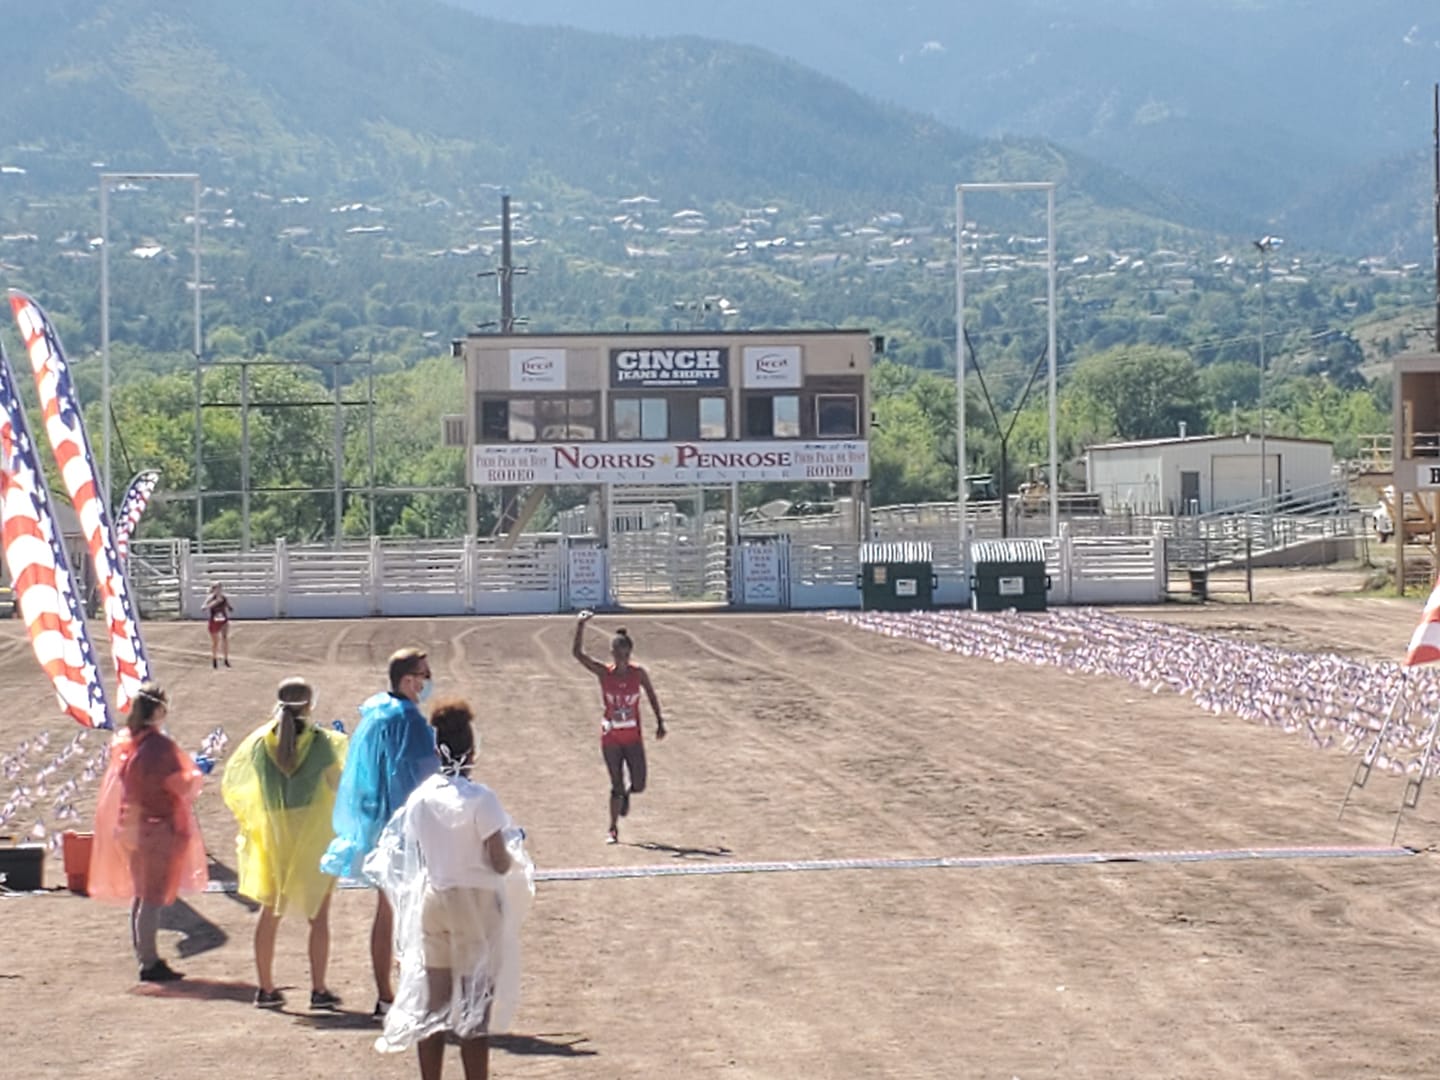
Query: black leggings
(617, 759)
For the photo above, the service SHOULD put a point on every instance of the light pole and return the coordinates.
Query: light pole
(1048, 187)
(1264, 245)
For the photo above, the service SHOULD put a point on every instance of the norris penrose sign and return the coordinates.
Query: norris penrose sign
(652, 368)
(670, 462)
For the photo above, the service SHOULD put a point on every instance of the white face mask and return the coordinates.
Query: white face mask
(426, 689)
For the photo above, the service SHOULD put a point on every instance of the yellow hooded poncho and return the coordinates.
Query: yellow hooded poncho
(284, 818)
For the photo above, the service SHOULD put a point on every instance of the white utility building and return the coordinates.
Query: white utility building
(1203, 473)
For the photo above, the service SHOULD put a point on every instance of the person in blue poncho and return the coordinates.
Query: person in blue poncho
(391, 752)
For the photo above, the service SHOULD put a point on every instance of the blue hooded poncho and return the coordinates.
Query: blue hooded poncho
(391, 752)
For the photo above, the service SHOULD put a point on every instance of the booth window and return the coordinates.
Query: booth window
(494, 421)
(787, 416)
(567, 418)
(772, 416)
(640, 418)
(654, 418)
(546, 419)
(714, 418)
(837, 416)
(584, 418)
(522, 420)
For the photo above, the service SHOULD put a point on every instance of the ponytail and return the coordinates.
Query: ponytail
(291, 710)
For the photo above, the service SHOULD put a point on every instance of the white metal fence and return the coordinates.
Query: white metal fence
(446, 577)
(485, 577)
(824, 576)
(1112, 570)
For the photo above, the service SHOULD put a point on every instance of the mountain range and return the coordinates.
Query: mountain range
(1134, 106)
(378, 94)
(1262, 112)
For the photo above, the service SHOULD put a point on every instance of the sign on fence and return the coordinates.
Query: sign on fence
(761, 582)
(589, 574)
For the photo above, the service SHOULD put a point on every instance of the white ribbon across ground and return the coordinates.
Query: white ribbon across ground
(961, 862)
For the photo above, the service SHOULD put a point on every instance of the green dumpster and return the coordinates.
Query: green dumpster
(1008, 574)
(897, 576)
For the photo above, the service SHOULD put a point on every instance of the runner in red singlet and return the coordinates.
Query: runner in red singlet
(621, 740)
(218, 612)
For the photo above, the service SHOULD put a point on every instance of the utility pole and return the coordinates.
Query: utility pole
(505, 274)
(1264, 245)
(507, 271)
(1437, 217)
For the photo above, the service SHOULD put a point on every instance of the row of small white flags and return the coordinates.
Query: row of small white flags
(1424, 649)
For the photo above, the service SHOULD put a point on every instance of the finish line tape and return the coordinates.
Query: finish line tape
(963, 862)
(969, 862)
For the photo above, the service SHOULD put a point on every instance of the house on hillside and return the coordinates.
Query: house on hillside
(1203, 473)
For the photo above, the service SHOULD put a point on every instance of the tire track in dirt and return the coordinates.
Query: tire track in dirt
(547, 653)
(1016, 785)
(1198, 953)
(457, 660)
(249, 646)
(783, 749)
(13, 647)
(913, 772)
(894, 652)
(332, 653)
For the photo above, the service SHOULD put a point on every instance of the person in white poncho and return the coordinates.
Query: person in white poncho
(455, 869)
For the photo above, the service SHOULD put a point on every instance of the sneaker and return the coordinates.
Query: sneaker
(613, 836)
(214, 663)
(159, 972)
(227, 663)
(269, 999)
(324, 1000)
(625, 804)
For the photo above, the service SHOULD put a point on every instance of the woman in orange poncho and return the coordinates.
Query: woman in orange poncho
(148, 848)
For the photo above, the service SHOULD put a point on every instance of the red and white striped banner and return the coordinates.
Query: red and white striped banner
(1425, 642)
(45, 590)
(66, 431)
(132, 508)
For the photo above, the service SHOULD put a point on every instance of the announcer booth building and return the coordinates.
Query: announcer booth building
(664, 429)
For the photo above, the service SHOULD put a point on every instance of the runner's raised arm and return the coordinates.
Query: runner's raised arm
(590, 664)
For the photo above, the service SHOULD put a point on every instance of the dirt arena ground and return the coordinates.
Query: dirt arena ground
(798, 738)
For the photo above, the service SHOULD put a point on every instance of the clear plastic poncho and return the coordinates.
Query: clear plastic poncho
(459, 946)
(392, 750)
(284, 819)
(147, 840)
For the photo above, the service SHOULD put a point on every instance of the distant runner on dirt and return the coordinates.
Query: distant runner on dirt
(217, 614)
(621, 740)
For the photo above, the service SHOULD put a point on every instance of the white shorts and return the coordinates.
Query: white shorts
(459, 928)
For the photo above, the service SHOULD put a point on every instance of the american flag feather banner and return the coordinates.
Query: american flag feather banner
(66, 432)
(1425, 642)
(34, 549)
(132, 508)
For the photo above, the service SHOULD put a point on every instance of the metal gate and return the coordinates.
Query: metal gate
(155, 571)
(666, 547)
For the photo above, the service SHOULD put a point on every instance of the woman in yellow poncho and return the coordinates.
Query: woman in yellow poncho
(280, 785)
